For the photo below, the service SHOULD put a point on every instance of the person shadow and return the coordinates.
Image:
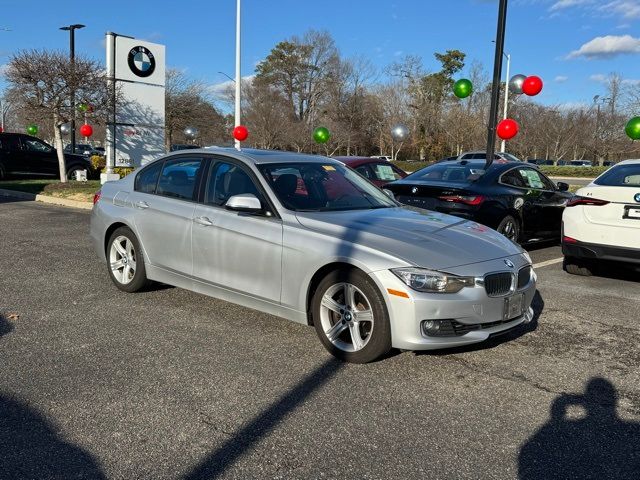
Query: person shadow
(32, 448)
(5, 325)
(596, 445)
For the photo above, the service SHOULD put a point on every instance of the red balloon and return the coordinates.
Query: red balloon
(0, 129)
(240, 133)
(507, 129)
(532, 85)
(86, 130)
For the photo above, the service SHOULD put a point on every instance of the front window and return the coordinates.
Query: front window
(450, 172)
(36, 146)
(315, 187)
(621, 176)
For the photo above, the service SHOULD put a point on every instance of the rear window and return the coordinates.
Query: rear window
(450, 173)
(620, 176)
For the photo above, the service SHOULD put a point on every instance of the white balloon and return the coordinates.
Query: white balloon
(191, 132)
(399, 133)
(65, 128)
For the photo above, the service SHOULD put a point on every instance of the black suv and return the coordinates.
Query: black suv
(23, 155)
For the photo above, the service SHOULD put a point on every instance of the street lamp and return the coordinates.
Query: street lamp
(72, 58)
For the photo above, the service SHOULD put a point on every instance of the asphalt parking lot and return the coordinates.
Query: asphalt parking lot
(96, 383)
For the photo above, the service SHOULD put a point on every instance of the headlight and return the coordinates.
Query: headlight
(424, 280)
(526, 256)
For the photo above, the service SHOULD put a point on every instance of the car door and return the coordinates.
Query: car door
(11, 155)
(39, 158)
(235, 250)
(163, 201)
(544, 203)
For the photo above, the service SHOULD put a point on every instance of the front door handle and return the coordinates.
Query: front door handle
(142, 205)
(203, 221)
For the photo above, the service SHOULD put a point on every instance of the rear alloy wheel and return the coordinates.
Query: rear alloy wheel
(575, 266)
(350, 317)
(510, 228)
(126, 262)
(71, 174)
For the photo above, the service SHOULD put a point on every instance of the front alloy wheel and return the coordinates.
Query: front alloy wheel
(510, 228)
(350, 317)
(126, 262)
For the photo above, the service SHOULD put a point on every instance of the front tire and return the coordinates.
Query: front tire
(71, 173)
(510, 228)
(125, 261)
(350, 317)
(574, 266)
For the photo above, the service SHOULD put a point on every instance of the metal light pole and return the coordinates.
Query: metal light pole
(238, 77)
(506, 97)
(72, 58)
(495, 86)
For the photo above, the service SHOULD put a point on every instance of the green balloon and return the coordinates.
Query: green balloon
(32, 129)
(462, 88)
(83, 107)
(321, 135)
(633, 128)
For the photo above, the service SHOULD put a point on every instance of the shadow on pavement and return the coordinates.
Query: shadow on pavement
(5, 325)
(498, 339)
(32, 448)
(596, 445)
(243, 440)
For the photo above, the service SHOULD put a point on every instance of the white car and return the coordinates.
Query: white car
(602, 222)
(383, 157)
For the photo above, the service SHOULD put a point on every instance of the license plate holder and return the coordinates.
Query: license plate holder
(632, 212)
(513, 306)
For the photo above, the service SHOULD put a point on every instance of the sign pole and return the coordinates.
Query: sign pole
(238, 77)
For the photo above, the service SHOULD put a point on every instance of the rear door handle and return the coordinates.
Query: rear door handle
(142, 205)
(203, 221)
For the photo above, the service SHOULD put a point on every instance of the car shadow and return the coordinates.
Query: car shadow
(497, 339)
(5, 325)
(532, 247)
(32, 447)
(617, 271)
(584, 438)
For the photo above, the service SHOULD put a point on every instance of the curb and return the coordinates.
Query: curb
(46, 199)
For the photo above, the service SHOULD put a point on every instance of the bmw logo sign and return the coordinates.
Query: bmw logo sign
(637, 197)
(141, 61)
(509, 263)
(414, 190)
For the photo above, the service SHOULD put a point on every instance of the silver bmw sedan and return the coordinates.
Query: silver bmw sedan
(305, 238)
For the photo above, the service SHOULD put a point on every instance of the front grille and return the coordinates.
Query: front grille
(497, 284)
(453, 328)
(524, 276)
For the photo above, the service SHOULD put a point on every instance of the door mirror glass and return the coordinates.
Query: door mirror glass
(243, 202)
(563, 187)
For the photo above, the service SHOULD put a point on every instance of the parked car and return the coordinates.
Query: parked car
(376, 170)
(24, 155)
(482, 155)
(387, 158)
(182, 146)
(540, 161)
(84, 149)
(580, 163)
(307, 238)
(514, 198)
(602, 222)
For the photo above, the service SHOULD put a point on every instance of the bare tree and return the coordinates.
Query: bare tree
(43, 80)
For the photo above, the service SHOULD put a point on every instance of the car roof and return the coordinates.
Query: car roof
(262, 157)
(357, 161)
(631, 161)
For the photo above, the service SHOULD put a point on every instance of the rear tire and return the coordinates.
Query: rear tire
(350, 317)
(510, 228)
(125, 261)
(575, 266)
(71, 173)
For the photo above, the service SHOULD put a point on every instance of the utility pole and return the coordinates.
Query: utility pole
(495, 85)
(72, 59)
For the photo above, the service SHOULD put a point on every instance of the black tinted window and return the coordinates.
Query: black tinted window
(227, 180)
(450, 172)
(621, 176)
(178, 178)
(364, 171)
(9, 143)
(513, 178)
(148, 178)
(34, 145)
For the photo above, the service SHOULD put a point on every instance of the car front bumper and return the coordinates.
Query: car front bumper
(470, 316)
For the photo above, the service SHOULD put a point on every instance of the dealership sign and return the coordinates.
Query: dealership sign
(137, 69)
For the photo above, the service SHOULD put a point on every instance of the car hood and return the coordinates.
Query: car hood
(419, 237)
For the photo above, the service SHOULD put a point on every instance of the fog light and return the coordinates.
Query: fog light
(431, 327)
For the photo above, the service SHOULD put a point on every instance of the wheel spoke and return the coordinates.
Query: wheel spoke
(120, 249)
(356, 339)
(132, 264)
(129, 248)
(117, 264)
(364, 316)
(334, 332)
(349, 295)
(331, 304)
(125, 274)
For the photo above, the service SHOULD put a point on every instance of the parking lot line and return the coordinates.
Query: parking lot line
(548, 262)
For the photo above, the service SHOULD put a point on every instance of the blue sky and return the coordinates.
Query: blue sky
(571, 44)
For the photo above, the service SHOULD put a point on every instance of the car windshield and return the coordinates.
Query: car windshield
(621, 176)
(458, 172)
(321, 187)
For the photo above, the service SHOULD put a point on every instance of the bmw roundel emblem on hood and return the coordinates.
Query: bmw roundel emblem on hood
(509, 263)
(141, 61)
(637, 197)
(414, 190)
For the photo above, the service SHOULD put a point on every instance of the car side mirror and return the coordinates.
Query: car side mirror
(244, 202)
(563, 187)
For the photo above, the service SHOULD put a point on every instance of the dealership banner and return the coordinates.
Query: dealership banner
(137, 69)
